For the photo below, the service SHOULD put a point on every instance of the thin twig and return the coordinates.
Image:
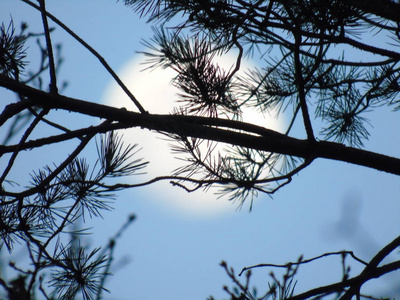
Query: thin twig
(111, 248)
(96, 54)
(22, 141)
(52, 68)
(301, 89)
(305, 261)
(61, 137)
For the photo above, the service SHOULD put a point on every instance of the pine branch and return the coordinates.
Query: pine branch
(206, 128)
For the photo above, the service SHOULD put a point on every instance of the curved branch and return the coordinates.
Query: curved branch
(335, 287)
(371, 271)
(301, 262)
(372, 267)
(236, 133)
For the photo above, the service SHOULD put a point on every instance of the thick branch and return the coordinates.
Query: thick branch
(220, 130)
(372, 267)
(360, 279)
(386, 9)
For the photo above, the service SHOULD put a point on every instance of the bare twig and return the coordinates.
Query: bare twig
(52, 68)
(306, 261)
(96, 54)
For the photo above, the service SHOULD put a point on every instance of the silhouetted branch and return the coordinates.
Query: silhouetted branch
(52, 66)
(308, 77)
(95, 53)
(199, 127)
(305, 261)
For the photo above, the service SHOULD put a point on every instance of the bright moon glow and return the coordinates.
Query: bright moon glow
(153, 89)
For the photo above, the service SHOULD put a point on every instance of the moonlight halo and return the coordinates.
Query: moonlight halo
(153, 89)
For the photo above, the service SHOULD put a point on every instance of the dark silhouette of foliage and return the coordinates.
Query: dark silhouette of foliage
(303, 71)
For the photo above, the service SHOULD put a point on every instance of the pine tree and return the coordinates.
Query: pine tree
(303, 72)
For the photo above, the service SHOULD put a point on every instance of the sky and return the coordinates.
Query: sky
(170, 252)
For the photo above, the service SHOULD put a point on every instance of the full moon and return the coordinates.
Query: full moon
(154, 90)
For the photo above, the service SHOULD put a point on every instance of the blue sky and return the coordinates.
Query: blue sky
(330, 206)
